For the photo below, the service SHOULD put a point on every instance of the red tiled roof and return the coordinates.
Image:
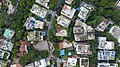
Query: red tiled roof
(60, 45)
(65, 7)
(22, 48)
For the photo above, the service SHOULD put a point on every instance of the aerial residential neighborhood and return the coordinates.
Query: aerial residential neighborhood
(59, 33)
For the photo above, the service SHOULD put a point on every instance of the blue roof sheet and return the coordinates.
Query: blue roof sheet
(62, 52)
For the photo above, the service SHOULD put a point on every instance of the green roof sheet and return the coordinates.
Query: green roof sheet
(8, 33)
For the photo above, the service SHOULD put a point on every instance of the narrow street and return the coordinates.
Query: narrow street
(53, 13)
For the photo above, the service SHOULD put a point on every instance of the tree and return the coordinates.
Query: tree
(56, 53)
(16, 49)
(102, 3)
(44, 54)
(52, 4)
(27, 58)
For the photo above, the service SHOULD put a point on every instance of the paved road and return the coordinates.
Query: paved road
(53, 13)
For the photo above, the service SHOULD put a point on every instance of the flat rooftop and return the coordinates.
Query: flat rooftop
(43, 2)
(104, 44)
(62, 33)
(106, 55)
(118, 3)
(107, 65)
(68, 11)
(103, 25)
(40, 11)
(85, 10)
(68, 1)
(82, 31)
(9, 33)
(39, 24)
(63, 21)
(83, 48)
(83, 14)
(84, 62)
(115, 31)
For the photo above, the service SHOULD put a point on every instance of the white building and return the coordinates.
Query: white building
(4, 54)
(82, 48)
(84, 62)
(104, 44)
(107, 65)
(31, 36)
(30, 65)
(39, 24)
(72, 61)
(68, 1)
(115, 32)
(62, 33)
(106, 55)
(40, 11)
(83, 31)
(6, 45)
(11, 9)
(103, 25)
(29, 24)
(16, 65)
(41, 63)
(67, 44)
(85, 10)
(43, 3)
(118, 4)
(63, 21)
(68, 11)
